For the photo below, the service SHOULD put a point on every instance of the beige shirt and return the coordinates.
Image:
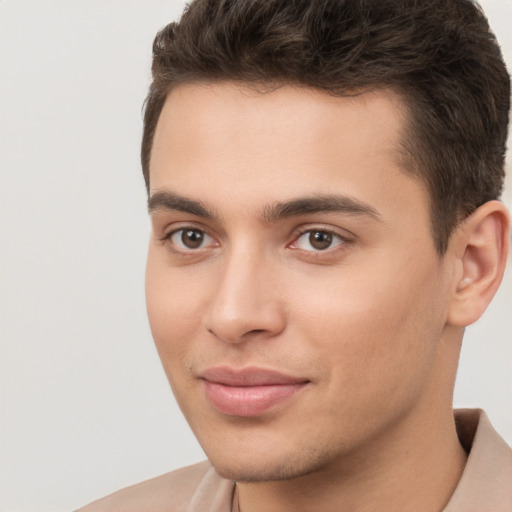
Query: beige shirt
(485, 485)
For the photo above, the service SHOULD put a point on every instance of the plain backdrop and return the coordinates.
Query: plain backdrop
(85, 406)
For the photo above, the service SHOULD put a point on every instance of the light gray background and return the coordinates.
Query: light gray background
(85, 406)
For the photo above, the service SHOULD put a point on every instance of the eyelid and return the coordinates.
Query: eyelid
(171, 229)
(344, 237)
(341, 233)
(166, 239)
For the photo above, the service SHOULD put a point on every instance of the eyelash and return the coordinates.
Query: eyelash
(168, 238)
(319, 253)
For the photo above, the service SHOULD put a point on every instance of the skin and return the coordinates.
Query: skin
(373, 322)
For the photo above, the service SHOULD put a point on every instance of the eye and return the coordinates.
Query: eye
(317, 240)
(188, 239)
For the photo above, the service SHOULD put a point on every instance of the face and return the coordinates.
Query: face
(293, 289)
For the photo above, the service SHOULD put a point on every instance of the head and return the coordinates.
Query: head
(321, 179)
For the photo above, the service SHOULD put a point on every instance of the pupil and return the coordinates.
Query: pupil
(192, 238)
(320, 240)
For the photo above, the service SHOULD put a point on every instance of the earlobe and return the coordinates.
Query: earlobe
(482, 243)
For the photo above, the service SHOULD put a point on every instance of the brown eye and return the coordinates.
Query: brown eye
(188, 239)
(320, 240)
(317, 240)
(192, 238)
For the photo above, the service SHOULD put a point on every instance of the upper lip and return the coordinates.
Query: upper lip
(251, 376)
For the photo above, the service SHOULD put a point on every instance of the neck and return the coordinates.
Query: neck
(415, 466)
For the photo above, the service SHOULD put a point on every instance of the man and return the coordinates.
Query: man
(323, 180)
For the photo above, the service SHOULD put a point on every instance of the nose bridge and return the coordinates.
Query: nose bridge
(245, 303)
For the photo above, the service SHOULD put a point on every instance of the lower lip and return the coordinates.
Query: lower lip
(248, 400)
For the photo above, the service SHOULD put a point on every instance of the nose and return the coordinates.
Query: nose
(246, 304)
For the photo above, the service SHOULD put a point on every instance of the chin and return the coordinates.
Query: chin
(270, 470)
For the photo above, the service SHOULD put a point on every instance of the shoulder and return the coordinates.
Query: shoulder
(174, 491)
(487, 478)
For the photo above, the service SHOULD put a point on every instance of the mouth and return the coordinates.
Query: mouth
(250, 391)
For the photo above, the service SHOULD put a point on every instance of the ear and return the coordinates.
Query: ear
(481, 245)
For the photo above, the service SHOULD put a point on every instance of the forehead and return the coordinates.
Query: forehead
(208, 112)
(239, 146)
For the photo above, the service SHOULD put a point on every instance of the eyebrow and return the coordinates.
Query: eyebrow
(171, 201)
(320, 203)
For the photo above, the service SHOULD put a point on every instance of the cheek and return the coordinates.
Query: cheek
(377, 336)
(173, 305)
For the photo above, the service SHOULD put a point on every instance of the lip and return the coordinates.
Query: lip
(249, 391)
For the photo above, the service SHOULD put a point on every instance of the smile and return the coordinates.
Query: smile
(248, 392)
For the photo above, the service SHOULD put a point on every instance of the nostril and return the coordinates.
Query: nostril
(237, 314)
(232, 337)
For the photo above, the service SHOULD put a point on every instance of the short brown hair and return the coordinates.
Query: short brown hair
(438, 54)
